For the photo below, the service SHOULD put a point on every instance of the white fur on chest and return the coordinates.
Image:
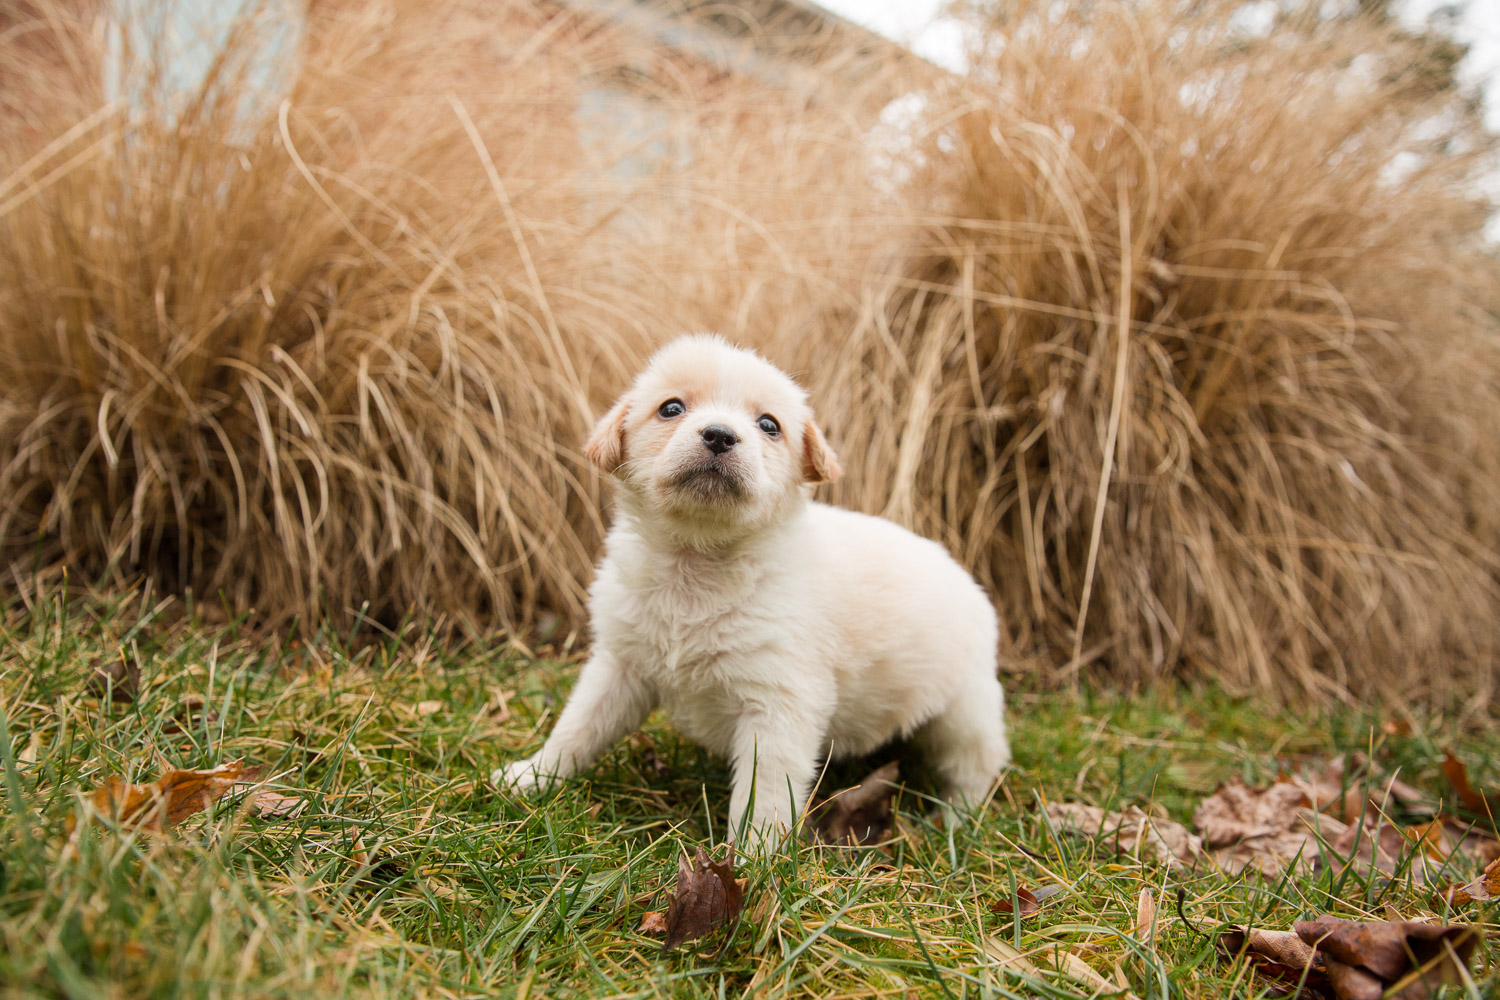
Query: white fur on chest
(698, 629)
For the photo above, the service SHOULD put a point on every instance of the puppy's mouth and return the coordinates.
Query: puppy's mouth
(710, 482)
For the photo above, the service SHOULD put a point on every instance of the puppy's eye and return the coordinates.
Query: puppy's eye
(768, 424)
(671, 408)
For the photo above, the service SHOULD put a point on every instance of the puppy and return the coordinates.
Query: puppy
(774, 630)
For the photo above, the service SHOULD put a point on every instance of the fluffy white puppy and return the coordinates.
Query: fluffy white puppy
(775, 630)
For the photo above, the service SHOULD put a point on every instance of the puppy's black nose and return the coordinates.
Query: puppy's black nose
(718, 438)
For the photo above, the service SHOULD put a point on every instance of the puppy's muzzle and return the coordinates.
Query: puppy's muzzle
(718, 439)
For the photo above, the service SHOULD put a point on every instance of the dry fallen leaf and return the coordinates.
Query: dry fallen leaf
(1024, 904)
(1483, 889)
(1145, 918)
(169, 799)
(707, 897)
(275, 805)
(119, 680)
(1396, 727)
(1132, 832)
(1278, 955)
(1364, 960)
(860, 815)
(1472, 799)
(1264, 828)
(1050, 962)
(1274, 828)
(192, 716)
(653, 923)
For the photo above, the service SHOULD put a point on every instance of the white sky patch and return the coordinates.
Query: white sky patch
(917, 24)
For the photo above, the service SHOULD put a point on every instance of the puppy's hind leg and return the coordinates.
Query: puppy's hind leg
(966, 742)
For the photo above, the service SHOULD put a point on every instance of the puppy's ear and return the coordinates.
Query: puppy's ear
(606, 446)
(819, 463)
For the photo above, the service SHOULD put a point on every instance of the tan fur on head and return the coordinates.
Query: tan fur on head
(819, 463)
(653, 441)
(606, 446)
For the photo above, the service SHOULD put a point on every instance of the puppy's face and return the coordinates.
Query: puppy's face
(712, 438)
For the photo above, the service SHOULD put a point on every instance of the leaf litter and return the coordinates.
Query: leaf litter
(176, 795)
(1357, 960)
(706, 898)
(1298, 821)
(860, 815)
(118, 680)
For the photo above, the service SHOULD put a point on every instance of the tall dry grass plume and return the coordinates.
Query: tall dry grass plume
(1190, 357)
(326, 331)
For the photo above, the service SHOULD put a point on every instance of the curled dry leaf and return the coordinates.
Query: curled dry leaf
(1131, 832)
(169, 799)
(859, 815)
(1263, 828)
(707, 897)
(1145, 917)
(1278, 955)
(653, 923)
(1023, 904)
(1364, 960)
(1483, 889)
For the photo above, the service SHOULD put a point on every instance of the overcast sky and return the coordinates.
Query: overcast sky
(917, 24)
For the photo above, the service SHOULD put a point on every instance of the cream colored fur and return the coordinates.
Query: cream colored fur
(773, 629)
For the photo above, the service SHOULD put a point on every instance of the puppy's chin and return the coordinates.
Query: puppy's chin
(711, 484)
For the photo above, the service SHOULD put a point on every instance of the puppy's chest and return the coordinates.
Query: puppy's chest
(687, 628)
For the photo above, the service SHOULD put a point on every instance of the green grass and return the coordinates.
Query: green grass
(407, 875)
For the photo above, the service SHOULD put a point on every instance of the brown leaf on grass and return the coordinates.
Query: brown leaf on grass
(275, 805)
(1131, 832)
(1472, 799)
(1145, 917)
(1274, 828)
(1345, 788)
(653, 923)
(1236, 813)
(1278, 955)
(1051, 962)
(859, 815)
(1024, 904)
(1313, 840)
(1364, 960)
(1483, 889)
(168, 800)
(119, 680)
(707, 897)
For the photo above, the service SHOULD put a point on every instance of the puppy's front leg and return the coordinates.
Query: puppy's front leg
(776, 753)
(608, 703)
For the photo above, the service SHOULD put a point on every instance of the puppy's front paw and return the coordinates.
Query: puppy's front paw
(520, 776)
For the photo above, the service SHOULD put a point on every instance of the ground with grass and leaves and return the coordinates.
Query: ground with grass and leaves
(368, 856)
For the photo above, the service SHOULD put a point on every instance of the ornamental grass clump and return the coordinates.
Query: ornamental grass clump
(1187, 352)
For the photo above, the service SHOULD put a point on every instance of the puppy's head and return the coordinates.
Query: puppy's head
(714, 439)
